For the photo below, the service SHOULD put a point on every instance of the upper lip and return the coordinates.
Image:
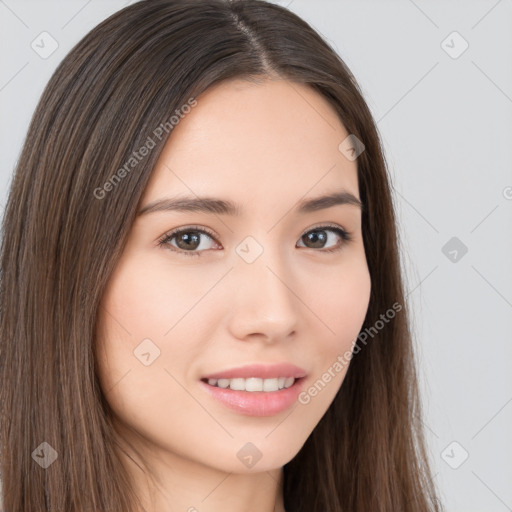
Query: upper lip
(262, 371)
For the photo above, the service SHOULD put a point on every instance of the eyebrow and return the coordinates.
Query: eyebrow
(225, 207)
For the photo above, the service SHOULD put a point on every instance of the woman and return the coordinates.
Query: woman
(201, 294)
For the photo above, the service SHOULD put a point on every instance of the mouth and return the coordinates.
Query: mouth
(259, 397)
(256, 389)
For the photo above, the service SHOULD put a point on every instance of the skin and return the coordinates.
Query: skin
(265, 146)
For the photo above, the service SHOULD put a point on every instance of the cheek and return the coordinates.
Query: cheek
(135, 314)
(341, 301)
(150, 301)
(150, 315)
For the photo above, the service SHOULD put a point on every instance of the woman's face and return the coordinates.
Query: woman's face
(258, 288)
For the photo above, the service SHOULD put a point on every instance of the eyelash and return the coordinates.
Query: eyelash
(344, 235)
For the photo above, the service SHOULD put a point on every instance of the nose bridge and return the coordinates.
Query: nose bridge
(264, 300)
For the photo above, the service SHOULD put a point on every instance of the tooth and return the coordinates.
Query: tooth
(237, 384)
(288, 382)
(254, 384)
(223, 383)
(270, 385)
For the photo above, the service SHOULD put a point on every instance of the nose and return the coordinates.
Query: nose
(265, 304)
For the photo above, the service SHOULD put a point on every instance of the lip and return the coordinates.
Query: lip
(261, 371)
(256, 403)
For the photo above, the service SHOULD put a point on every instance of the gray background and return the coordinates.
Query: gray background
(446, 123)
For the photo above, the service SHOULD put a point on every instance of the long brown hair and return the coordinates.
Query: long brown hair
(63, 234)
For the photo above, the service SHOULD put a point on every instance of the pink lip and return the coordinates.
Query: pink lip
(256, 403)
(261, 371)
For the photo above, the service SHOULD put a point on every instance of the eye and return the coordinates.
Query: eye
(190, 241)
(187, 240)
(318, 237)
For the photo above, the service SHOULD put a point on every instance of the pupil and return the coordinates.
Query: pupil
(194, 239)
(317, 237)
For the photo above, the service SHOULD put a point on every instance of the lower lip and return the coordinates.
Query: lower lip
(256, 403)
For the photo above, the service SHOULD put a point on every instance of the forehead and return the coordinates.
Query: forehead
(271, 141)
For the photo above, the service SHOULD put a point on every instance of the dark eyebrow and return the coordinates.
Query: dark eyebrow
(224, 207)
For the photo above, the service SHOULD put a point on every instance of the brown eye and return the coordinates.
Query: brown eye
(317, 238)
(185, 240)
(188, 241)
